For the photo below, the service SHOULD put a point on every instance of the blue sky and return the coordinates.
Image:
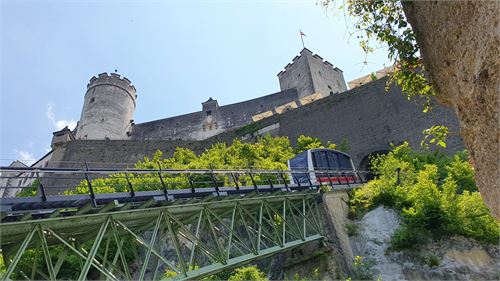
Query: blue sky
(176, 53)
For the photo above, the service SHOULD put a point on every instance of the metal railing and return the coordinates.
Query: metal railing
(56, 187)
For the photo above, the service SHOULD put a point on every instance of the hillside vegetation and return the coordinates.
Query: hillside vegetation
(436, 196)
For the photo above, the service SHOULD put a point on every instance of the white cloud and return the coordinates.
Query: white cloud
(63, 123)
(59, 124)
(25, 156)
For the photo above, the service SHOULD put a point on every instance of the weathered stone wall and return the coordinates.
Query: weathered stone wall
(116, 153)
(227, 117)
(367, 116)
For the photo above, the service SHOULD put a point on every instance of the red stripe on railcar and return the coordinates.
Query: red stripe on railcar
(350, 179)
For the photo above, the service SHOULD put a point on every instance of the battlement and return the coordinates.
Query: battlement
(306, 51)
(113, 79)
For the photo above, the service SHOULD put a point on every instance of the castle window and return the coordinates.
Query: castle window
(209, 112)
(329, 87)
(298, 76)
(92, 100)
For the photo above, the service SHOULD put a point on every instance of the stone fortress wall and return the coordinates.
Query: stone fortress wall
(212, 119)
(370, 118)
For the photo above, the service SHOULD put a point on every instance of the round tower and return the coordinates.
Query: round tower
(108, 108)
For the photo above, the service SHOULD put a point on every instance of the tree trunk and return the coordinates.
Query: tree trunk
(460, 45)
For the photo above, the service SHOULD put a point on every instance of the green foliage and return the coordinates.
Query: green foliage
(344, 146)
(250, 128)
(362, 268)
(248, 273)
(325, 188)
(70, 268)
(268, 153)
(373, 77)
(383, 23)
(435, 135)
(306, 142)
(432, 261)
(352, 229)
(2, 266)
(407, 237)
(30, 191)
(223, 275)
(315, 275)
(436, 196)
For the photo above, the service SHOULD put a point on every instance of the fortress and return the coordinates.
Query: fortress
(110, 102)
(314, 100)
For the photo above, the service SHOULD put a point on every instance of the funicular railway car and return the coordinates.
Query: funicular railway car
(322, 166)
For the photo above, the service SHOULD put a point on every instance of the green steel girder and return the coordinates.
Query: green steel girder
(180, 241)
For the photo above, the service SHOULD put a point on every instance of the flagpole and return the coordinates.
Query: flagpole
(302, 38)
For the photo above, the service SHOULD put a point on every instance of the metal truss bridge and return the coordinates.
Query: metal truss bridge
(161, 224)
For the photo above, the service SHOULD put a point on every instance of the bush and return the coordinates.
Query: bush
(352, 229)
(248, 273)
(362, 268)
(436, 196)
(31, 190)
(432, 261)
(407, 237)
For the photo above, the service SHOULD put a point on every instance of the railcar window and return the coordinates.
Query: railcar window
(345, 162)
(320, 160)
(299, 162)
(333, 161)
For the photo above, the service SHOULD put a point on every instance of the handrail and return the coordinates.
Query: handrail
(5, 169)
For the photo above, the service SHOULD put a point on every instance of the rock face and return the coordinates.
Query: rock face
(460, 44)
(457, 258)
(376, 229)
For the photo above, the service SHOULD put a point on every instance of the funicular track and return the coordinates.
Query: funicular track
(169, 233)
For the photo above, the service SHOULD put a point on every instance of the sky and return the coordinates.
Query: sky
(176, 53)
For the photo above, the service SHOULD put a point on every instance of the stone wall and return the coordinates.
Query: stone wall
(224, 118)
(367, 116)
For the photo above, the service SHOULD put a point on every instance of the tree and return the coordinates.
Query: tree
(447, 50)
(306, 142)
(459, 42)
